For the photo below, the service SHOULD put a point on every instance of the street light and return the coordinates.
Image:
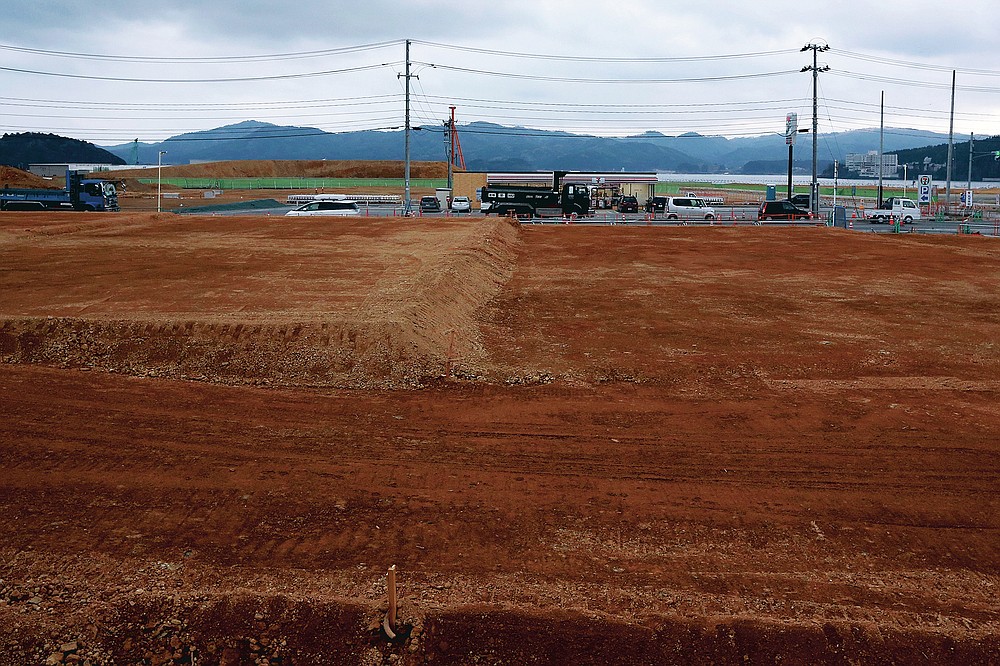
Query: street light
(159, 165)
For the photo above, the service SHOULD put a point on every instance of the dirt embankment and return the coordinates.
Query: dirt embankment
(407, 319)
(11, 177)
(297, 169)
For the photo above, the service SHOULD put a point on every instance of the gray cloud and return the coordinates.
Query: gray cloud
(919, 32)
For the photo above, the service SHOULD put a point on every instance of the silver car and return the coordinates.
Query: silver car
(340, 208)
(461, 205)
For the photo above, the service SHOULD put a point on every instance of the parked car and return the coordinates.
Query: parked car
(461, 205)
(781, 210)
(684, 208)
(430, 205)
(802, 201)
(656, 204)
(681, 208)
(628, 205)
(340, 208)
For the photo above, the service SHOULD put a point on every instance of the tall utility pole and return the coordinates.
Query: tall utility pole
(881, 147)
(449, 150)
(951, 142)
(972, 142)
(407, 204)
(815, 69)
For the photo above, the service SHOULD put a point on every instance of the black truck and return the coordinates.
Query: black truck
(524, 201)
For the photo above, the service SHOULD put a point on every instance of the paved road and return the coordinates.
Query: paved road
(726, 215)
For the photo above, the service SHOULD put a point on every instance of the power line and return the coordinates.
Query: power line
(202, 59)
(882, 60)
(910, 82)
(243, 79)
(567, 79)
(570, 58)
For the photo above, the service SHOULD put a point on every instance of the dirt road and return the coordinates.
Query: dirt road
(577, 444)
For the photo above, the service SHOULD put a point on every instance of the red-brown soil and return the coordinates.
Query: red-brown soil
(580, 445)
(138, 196)
(298, 169)
(12, 177)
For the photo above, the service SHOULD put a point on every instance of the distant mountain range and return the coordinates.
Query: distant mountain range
(486, 147)
(491, 147)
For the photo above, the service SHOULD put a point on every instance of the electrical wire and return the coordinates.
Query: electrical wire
(567, 79)
(540, 56)
(202, 59)
(242, 79)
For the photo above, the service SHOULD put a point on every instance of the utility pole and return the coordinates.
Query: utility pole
(972, 142)
(951, 142)
(449, 150)
(407, 204)
(815, 69)
(881, 147)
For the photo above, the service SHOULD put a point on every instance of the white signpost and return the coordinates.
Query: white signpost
(791, 128)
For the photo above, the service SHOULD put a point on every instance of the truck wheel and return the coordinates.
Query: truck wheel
(709, 217)
(671, 217)
(907, 220)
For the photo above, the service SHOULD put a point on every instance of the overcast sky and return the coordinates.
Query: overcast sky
(114, 71)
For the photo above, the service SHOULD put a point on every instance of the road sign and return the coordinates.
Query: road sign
(924, 193)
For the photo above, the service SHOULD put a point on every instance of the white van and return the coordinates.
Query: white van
(339, 208)
(688, 208)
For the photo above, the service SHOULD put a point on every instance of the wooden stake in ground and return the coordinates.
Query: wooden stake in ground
(391, 584)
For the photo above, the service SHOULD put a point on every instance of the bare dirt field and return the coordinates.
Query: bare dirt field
(586, 445)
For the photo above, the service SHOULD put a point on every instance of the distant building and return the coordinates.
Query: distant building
(866, 164)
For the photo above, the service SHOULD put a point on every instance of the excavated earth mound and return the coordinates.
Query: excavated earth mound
(272, 305)
(577, 444)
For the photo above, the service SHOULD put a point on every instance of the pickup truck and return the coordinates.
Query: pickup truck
(711, 201)
(894, 208)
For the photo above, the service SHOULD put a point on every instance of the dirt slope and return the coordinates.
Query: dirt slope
(299, 169)
(11, 177)
(653, 446)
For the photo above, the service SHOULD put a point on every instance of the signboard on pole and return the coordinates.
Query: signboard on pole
(791, 127)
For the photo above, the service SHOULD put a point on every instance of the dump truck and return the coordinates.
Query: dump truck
(81, 194)
(558, 200)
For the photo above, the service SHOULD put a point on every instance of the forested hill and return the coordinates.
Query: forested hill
(20, 150)
(933, 159)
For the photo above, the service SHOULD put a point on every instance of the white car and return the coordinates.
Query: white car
(687, 208)
(461, 205)
(340, 208)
